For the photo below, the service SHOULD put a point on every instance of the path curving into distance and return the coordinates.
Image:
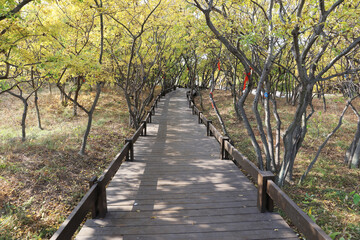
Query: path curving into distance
(177, 187)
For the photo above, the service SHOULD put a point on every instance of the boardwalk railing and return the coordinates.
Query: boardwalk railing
(268, 192)
(94, 200)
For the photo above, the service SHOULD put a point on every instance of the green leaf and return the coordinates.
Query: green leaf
(356, 199)
(334, 234)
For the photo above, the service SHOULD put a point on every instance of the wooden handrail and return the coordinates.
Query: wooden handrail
(242, 161)
(203, 118)
(71, 224)
(138, 132)
(268, 192)
(300, 219)
(95, 198)
(115, 165)
(215, 133)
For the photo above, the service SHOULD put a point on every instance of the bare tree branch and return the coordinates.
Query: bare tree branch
(15, 10)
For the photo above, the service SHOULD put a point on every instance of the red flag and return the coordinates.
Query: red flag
(219, 65)
(245, 81)
(247, 77)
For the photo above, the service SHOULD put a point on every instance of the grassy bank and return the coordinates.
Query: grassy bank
(329, 194)
(43, 178)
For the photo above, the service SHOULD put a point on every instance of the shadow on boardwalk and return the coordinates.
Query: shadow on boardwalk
(178, 188)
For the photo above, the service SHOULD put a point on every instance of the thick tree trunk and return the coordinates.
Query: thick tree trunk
(355, 158)
(295, 135)
(353, 153)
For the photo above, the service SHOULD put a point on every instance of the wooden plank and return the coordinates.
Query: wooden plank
(166, 228)
(179, 180)
(300, 219)
(181, 220)
(144, 196)
(176, 186)
(183, 213)
(179, 201)
(180, 190)
(187, 228)
(184, 206)
(234, 235)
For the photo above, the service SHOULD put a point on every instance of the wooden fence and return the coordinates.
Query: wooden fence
(94, 200)
(268, 192)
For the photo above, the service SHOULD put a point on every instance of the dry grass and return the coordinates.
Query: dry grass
(327, 194)
(43, 178)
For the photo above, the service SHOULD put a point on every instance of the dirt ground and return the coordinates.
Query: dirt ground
(43, 178)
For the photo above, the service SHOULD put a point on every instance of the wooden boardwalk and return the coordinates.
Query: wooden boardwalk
(178, 188)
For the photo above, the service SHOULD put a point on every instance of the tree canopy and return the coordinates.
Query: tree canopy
(297, 47)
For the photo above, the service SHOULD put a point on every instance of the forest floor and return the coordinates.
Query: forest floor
(330, 193)
(44, 178)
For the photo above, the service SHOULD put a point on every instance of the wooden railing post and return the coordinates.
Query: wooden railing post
(199, 119)
(99, 208)
(101, 203)
(150, 114)
(144, 129)
(130, 154)
(153, 110)
(264, 202)
(224, 154)
(93, 208)
(208, 132)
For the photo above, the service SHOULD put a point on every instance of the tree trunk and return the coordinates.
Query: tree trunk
(37, 110)
(353, 153)
(295, 134)
(270, 164)
(278, 134)
(323, 145)
(90, 117)
(355, 158)
(247, 123)
(78, 86)
(35, 87)
(23, 120)
(223, 127)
